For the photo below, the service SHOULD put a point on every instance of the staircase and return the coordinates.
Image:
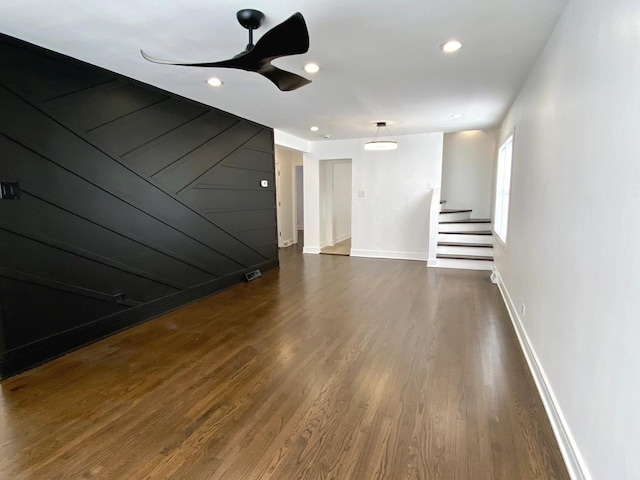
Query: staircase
(464, 242)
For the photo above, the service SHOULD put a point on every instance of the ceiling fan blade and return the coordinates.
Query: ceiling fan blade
(231, 63)
(290, 37)
(243, 61)
(285, 81)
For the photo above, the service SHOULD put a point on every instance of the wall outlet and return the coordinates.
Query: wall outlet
(523, 309)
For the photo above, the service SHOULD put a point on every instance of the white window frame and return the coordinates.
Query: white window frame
(503, 189)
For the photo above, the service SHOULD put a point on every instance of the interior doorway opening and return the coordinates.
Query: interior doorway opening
(299, 202)
(335, 207)
(289, 196)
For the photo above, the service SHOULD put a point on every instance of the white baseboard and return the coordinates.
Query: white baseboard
(573, 460)
(314, 250)
(287, 243)
(393, 255)
(432, 262)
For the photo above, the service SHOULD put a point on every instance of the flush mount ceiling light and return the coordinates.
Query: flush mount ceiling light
(378, 145)
(457, 115)
(314, 129)
(451, 46)
(312, 68)
(215, 82)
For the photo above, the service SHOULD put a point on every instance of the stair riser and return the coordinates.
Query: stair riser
(452, 217)
(463, 227)
(464, 264)
(481, 251)
(452, 237)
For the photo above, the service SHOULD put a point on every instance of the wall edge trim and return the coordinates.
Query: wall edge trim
(573, 460)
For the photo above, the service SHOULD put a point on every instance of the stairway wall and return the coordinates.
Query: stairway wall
(467, 170)
(134, 201)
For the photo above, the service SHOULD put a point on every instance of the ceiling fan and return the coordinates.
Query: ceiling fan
(291, 37)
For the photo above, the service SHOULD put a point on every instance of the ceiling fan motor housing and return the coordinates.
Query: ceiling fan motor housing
(250, 19)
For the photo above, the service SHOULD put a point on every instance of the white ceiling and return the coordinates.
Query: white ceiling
(380, 61)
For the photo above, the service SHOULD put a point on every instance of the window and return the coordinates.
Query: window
(503, 188)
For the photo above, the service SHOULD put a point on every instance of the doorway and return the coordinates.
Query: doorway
(299, 203)
(335, 207)
(289, 196)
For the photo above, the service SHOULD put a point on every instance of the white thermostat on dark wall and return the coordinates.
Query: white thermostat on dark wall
(264, 183)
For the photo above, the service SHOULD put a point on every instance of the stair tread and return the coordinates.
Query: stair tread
(460, 244)
(454, 210)
(471, 220)
(464, 257)
(476, 232)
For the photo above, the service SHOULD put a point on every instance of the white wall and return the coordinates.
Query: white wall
(341, 201)
(326, 207)
(573, 252)
(311, 204)
(286, 161)
(391, 218)
(467, 170)
(291, 142)
(299, 179)
(335, 201)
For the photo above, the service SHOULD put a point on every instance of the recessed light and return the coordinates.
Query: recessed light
(314, 129)
(451, 46)
(325, 136)
(215, 82)
(311, 68)
(457, 115)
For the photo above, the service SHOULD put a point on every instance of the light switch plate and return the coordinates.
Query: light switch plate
(264, 183)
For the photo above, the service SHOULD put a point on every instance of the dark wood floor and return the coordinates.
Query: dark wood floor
(330, 368)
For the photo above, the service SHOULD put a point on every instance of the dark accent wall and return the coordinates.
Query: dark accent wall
(134, 201)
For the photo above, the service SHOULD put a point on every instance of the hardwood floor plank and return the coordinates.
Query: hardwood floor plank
(332, 367)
